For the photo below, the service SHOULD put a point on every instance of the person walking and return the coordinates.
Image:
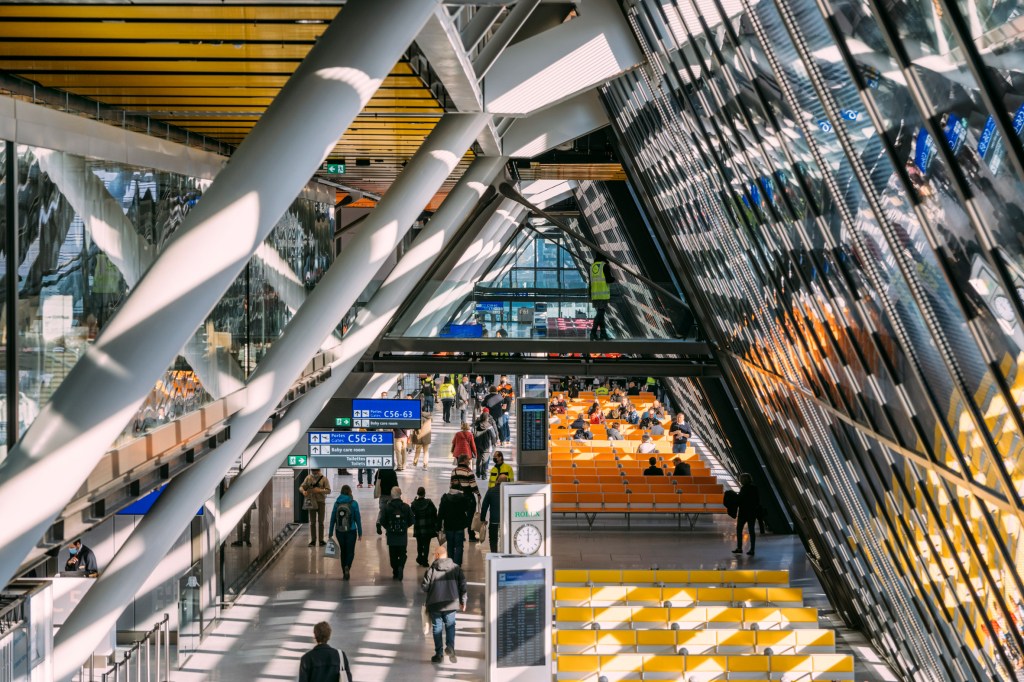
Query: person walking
(323, 663)
(425, 525)
(749, 509)
(447, 395)
(445, 585)
(427, 391)
(346, 527)
(463, 477)
(492, 505)
(462, 397)
(454, 516)
(401, 447)
(499, 468)
(396, 518)
(421, 442)
(463, 443)
(484, 435)
(600, 294)
(315, 488)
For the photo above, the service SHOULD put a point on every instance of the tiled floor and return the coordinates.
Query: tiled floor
(378, 622)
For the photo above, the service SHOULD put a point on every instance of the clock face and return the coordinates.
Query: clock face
(527, 539)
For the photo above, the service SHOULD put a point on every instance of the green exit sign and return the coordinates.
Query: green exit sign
(334, 168)
(297, 460)
(343, 421)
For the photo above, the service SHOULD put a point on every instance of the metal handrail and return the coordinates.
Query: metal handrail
(160, 636)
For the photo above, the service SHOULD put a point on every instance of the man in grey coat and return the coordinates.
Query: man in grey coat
(445, 585)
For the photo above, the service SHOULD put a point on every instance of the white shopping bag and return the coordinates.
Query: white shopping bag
(330, 549)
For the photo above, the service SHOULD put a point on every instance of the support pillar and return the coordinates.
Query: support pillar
(105, 388)
(378, 237)
(369, 324)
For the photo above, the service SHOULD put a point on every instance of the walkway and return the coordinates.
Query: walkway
(378, 622)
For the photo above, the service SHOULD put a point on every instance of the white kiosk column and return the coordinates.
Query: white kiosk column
(519, 587)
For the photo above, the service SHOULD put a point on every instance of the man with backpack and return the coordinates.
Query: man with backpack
(347, 527)
(425, 525)
(454, 515)
(396, 517)
(324, 663)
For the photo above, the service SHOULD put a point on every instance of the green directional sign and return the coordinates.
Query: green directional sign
(334, 168)
(299, 461)
(343, 421)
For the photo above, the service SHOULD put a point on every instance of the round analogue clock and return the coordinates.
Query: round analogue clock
(527, 539)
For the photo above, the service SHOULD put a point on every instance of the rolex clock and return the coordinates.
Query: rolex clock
(527, 539)
(526, 519)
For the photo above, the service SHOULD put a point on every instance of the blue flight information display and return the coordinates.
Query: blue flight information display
(381, 413)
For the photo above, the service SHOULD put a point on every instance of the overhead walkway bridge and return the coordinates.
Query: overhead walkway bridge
(577, 357)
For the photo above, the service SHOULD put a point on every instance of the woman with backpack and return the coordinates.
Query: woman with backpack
(424, 525)
(347, 527)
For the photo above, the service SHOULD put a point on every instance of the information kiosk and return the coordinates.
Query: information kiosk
(532, 455)
(519, 618)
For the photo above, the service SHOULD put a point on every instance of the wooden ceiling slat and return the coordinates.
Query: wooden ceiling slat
(175, 12)
(163, 31)
(149, 88)
(212, 70)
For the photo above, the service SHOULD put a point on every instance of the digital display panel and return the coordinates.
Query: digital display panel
(533, 426)
(522, 613)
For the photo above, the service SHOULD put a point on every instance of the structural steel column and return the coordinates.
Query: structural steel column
(378, 237)
(105, 388)
(369, 324)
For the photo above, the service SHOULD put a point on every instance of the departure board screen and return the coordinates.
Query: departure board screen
(522, 612)
(533, 426)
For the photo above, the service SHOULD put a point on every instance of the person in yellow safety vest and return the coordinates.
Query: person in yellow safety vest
(600, 294)
(499, 468)
(447, 396)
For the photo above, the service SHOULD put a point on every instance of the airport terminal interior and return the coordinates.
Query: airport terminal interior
(699, 324)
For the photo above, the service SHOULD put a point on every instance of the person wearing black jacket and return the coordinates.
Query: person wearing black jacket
(493, 402)
(454, 516)
(396, 517)
(323, 663)
(484, 430)
(445, 585)
(425, 525)
(492, 504)
(749, 509)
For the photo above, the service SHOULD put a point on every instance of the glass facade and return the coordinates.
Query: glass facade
(839, 185)
(87, 230)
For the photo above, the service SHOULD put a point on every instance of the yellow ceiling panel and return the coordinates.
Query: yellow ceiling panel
(157, 50)
(149, 88)
(26, 66)
(174, 12)
(188, 31)
(210, 69)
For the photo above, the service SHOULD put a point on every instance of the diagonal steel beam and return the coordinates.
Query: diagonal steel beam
(333, 296)
(104, 389)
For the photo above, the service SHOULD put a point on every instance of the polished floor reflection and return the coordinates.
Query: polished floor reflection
(378, 622)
